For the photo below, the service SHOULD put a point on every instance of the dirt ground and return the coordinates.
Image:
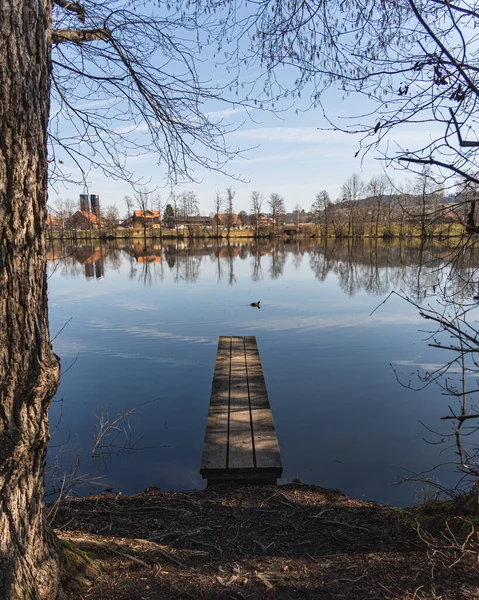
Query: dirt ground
(272, 542)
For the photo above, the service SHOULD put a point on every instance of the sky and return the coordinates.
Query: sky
(291, 152)
(287, 153)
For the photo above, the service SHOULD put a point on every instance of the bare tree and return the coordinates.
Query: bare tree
(376, 190)
(256, 205)
(63, 209)
(424, 189)
(129, 206)
(159, 205)
(351, 191)
(143, 199)
(451, 331)
(467, 195)
(218, 207)
(440, 211)
(297, 212)
(174, 200)
(189, 207)
(229, 214)
(320, 210)
(111, 215)
(412, 61)
(276, 204)
(124, 76)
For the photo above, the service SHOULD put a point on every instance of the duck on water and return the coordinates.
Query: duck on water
(256, 304)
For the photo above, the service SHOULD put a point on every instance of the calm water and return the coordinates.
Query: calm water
(142, 331)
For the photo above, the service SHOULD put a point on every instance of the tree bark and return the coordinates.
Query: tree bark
(29, 373)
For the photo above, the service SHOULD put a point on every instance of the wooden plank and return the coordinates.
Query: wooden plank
(240, 439)
(267, 454)
(216, 436)
(240, 442)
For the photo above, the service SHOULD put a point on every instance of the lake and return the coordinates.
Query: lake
(136, 328)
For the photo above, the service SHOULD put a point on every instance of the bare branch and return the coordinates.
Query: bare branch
(79, 36)
(73, 7)
(463, 143)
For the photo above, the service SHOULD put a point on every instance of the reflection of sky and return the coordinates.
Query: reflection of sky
(342, 420)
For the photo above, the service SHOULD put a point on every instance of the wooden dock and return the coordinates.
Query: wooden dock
(240, 439)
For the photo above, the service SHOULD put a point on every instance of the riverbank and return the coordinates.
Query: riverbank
(283, 232)
(275, 542)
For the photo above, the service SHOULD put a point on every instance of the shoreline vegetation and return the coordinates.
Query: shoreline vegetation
(276, 542)
(285, 232)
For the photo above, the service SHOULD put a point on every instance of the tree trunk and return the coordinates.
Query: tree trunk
(29, 374)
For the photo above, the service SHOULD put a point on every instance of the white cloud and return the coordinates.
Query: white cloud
(298, 155)
(313, 135)
(293, 135)
(132, 128)
(227, 112)
(97, 103)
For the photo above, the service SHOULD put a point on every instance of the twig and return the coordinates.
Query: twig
(129, 556)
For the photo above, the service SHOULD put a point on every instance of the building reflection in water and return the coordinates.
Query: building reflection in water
(94, 264)
(68, 257)
(89, 270)
(145, 253)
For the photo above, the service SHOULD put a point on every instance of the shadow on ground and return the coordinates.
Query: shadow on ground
(275, 542)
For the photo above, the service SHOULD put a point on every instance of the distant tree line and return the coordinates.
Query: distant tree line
(374, 208)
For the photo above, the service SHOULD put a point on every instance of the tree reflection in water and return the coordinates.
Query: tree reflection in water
(372, 266)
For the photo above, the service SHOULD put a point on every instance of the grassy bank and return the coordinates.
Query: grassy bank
(277, 542)
(394, 232)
